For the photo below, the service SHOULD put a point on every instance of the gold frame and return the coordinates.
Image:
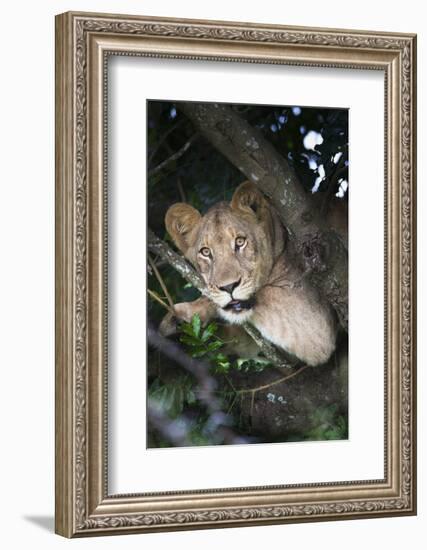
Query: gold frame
(83, 42)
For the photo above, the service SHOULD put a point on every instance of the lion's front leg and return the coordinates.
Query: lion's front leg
(184, 312)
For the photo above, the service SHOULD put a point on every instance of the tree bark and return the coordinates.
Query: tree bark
(305, 403)
(321, 252)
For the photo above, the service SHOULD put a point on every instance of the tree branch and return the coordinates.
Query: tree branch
(269, 350)
(160, 301)
(172, 158)
(271, 384)
(179, 263)
(163, 139)
(161, 281)
(321, 252)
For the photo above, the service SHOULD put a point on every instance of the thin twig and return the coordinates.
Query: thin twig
(161, 281)
(181, 190)
(252, 403)
(172, 158)
(266, 386)
(160, 301)
(163, 139)
(229, 382)
(230, 408)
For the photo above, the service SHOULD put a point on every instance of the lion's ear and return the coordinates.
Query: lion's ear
(249, 199)
(180, 220)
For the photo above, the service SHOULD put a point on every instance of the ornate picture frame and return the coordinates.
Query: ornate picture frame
(83, 44)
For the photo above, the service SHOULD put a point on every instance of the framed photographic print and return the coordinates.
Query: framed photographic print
(235, 274)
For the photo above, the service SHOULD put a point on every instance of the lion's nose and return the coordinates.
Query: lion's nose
(230, 287)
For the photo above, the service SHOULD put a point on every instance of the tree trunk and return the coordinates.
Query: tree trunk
(308, 402)
(321, 252)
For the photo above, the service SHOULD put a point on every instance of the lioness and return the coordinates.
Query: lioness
(240, 251)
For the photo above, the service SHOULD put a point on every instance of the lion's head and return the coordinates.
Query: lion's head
(233, 246)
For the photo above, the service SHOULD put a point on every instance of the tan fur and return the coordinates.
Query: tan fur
(287, 310)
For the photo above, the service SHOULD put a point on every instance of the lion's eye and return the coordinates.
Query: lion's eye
(240, 241)
(205, 251)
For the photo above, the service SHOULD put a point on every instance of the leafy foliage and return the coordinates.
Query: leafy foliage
(328, 424)
(173, 396)
(200, 342)
(205, 342)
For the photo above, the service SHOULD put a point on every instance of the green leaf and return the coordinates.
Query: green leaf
(209, 331)
(190, 397)
(189, 340)
(168, 400)
(240, 362)
(196, 324)
(222, 366)
(154, 386)
(172, 397)
(198, 351)
(187, 328)
(213, 346)
(177, 404)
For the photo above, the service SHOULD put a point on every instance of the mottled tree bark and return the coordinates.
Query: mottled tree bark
(321, 252)
(295, 405)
